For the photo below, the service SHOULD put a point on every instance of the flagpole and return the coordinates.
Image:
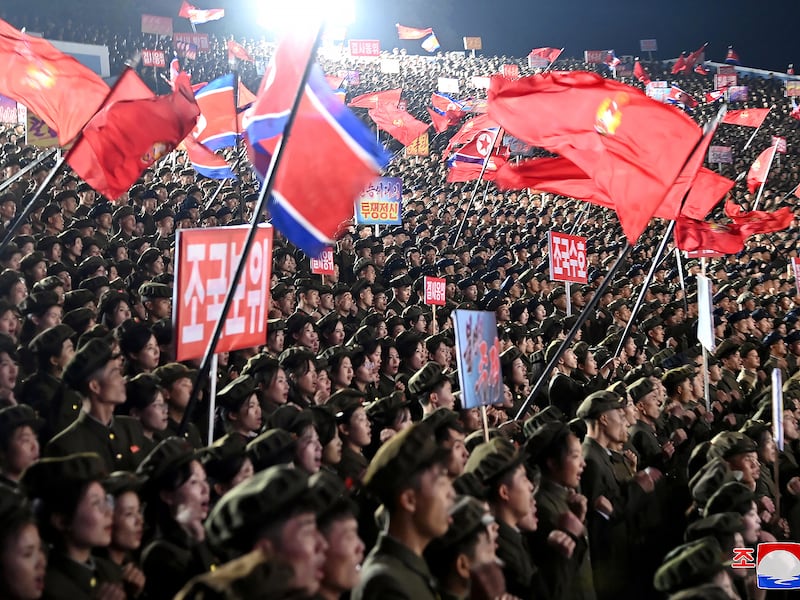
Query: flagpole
(587, 310)
(477, 185)
(27, 169)
(752, 137)
(216, 193)
(763, 183)
(264, 194)
(683, 280)
(238, 165)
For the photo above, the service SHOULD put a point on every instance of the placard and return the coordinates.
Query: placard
(324, 264)
(720, 155)
(481, 82)
(154, 58)
(9, 113)
(650, 45)
(537, 62)
(510, 71)
(796, 271)
(198, 39)
(705, 320)
(420, 146)
(351, 76)
(703, 254)
(724, 80)
(478, 348)
(595, 56)
(518, 147)
(390, 66)
(792, 89)
(38, 133)
(567, 257)
(473, 43)
(186, 50)
(434, 290)
(364, 47)
(658, 90)
(156, 25)
(205, 263)
(379, 204)
(448, 85)
(726, 70)
(737, 93)
(780, 142)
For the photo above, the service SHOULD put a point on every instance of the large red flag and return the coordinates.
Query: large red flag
(640, 73)
(630, 145)
(128, 136)
(760, 169)
(236, 50)
(375, 99)
(549, 54)
(398, 123)
(759, 221)
(748, 117)
(469, 171)
(470, 129)
(691, 234)
(412, 33)
(54, 86)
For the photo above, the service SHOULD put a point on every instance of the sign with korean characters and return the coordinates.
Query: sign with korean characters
(380, 203)
(364, 47)
(434, 288)
(324, 264)
(567, 257)
(154, 58)
(38, 133)
(478, 348)
(206, 261)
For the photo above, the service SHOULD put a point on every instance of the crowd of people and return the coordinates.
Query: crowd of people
(344, 463)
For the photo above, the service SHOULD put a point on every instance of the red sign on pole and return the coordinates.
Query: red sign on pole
(156, 25)
(324, 264)
(796, 272)
(434, 290)
(154, 58)
(567, 257)
(780, 142)
(206, 261)
(511, 71)
(365, 47)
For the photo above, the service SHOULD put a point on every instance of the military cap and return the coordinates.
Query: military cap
(383, 409)
(13, 417)
(759, 314)
(325, 423)
(465, 283)
(223, 460)
(508, 356)
(362, 263)
(730, 497)
(617, 304)
(297, 321)
(726, 348)
(359, 286)
(677, 375)
(407, 341)
(549, 414)
(123, 211)
(771, 339)
(46, 242)
(93, 356)
(233, 396)
(154, 290)
(275, 325)
(493, 459)
(163, 213)
(442, 419)
(119, 482)
(273, 447)
(48, 477)
(258, 364)
(737, 316)
(289, 418)
(50, 210)
(169, 455)
(345, 402)
(689, 564)
(94, 284)
(409, 452)
(148, 256)
(279, 291)
(242, 514)
(793, 337)
(727, 444)
(599, 402)
(541, 439)
(63, 195)
(31, 260)
(401, 281)
(709, 479)
(651, 323)
(640, 388)
(172, 372)
(102, 208)
(469, 517)
(304, 284)
(551, 350)
(725, 523)
(557, 293)
(426, 379)
(51, 340)
(77, 299)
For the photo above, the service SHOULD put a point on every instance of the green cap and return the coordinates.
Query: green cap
(731, 497)
(728, 444)
(48, 477)
(690, 564)
(93, 356)
(172, 372)
(599, 402)
(273, 447)
(640, 388)
(469, 517)
(491, 460)
(426, 379)
(16, 416)
(234, 395)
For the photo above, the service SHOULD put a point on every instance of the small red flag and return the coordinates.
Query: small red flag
(469, 130)
(468, 171)
(640, 73)
(236, 50)
(748, 117)
(701, 70)
(549, 54)
(694, 57)
(412, 33)
(680, 65)
(375, 99)
(398, 123)
(760, 169)
(795, 114)
(440, 122)
(714, 95)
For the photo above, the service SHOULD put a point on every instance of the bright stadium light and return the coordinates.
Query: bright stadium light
(284, 15)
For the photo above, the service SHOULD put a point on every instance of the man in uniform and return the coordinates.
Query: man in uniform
(176, 382)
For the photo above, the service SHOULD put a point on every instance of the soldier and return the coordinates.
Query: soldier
(157, 301)
(176, 382)
(19, 447)
(432, 387)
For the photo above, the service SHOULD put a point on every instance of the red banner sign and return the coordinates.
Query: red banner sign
(567, 257)
(703, 254)
(434, 290)
(324, 264)
(796, 273)
(198, 39)
(157, 25)
(154, 58)
(595, 56)
(206, 261)
(511, 71)
(780, 142)
(365, 47)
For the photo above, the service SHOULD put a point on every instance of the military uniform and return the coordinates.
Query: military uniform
(392, 570)
(192, 434)
(66, 579)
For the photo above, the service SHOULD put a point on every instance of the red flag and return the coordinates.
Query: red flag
(795, 114)
(448, 106)
(680, 65)
(236, 50)
(198, 16)
(398, 123)
(678, 96)
(440, 122)
(334, 81)
(760, 169)
(127, 136)
(54, 86)
(375, 99)
(470, 129)
(694, 57)
(729, 239)
(549, 54)
(412, 33)
(701, 70)
(748, 117)
(611, 131)
(714, 95)
(640, 73)
(467, 171)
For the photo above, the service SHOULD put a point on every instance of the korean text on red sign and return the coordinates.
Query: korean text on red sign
(567, 257)
(324, 264)
(198, 39)
(365, 47)
(153, 58)
(206, 261)
(380, 203)
(434, 290)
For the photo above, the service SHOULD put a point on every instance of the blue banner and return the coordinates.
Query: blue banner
(380, 203)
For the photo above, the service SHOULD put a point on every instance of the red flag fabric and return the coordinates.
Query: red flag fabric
(470, 129)
(127, 136)
(54, 86)
(398, 123)
(412, 33)
(691, 234)
(549, 54)
(640, 73)
(678, 96)
(694, 57)
(760, 169)
(440, 122)
(334, 81)
(611, 131)
(198, 16)
(375, 99)
(748, 117)
(680, 65)
(701, 70)
(714, 95)
(236, 50)
(454, 109)
(795, 114)
(467, 171)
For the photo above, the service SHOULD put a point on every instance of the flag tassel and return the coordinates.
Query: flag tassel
(264, 194)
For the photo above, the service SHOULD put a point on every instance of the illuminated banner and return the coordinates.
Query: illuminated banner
(324, 264)
(198, 39)
(478, 349)
(365, 47)
(567, 257)
(434, 290)
(720, 154)
(205, 262)
(157, 25)
(737, 93)
(154, 58)
(380, 203)
(9, 113)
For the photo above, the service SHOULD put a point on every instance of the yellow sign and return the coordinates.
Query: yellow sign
(419, 147)
(473, 43)
(38, 133)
